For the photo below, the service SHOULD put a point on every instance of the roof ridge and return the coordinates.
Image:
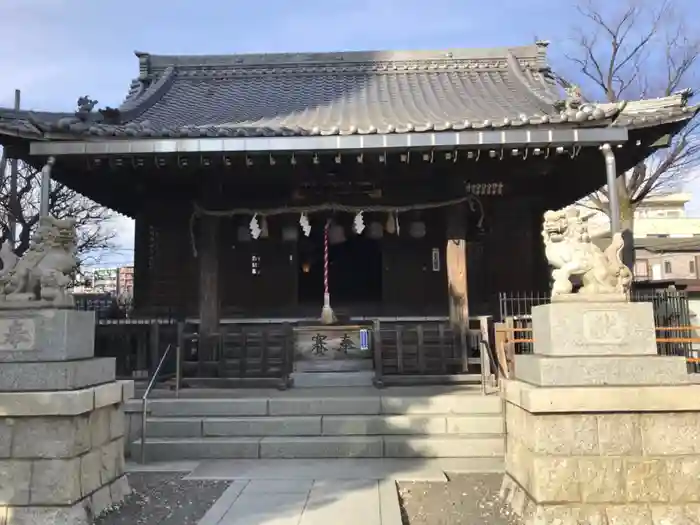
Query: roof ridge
(146, 96)
(153, 63)
(518, 75)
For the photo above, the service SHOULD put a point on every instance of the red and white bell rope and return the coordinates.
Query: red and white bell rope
(327, 315)
(326, 293)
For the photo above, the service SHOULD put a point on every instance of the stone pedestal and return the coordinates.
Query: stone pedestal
(601, 430)
(61, 420)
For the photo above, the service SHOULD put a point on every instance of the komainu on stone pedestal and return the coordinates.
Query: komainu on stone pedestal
(569, 250)
(41, 276)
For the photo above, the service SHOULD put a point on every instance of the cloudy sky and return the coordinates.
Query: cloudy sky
(58, 50)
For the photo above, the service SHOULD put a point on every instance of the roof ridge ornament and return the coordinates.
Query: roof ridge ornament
(110, 115)
(85, 106)
(144, 64)
(685, 94)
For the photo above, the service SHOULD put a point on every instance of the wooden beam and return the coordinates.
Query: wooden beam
(209, 300)
(456, 262)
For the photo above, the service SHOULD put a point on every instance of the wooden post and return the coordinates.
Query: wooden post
(208, 253)
(456, 262)
(378, 358)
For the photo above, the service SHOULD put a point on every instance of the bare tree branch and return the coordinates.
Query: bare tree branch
(642, 50)
(92, 219)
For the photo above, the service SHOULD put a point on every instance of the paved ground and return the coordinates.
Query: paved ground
(466, 499)
(310, 492)
(306, 502)
(164, 499)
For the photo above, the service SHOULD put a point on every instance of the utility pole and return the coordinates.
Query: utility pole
(12, 222)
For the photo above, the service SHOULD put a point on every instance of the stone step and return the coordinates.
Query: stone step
(327, 405)
(412, 425)
(332, 379)
(177, 449)
(444, 446)
(334, 365)
(262, 426)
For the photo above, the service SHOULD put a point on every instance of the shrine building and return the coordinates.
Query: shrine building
(429, 170)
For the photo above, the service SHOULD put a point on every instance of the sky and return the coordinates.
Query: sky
(54, 51)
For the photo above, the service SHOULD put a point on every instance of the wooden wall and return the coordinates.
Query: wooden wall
(268, 290)
(508, 257)
(410, 286)
(511, 256)
(165, 269)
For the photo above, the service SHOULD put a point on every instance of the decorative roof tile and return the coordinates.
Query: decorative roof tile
(343, 94)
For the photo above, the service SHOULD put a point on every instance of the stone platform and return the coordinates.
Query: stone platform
(62, 422)
(603, 455)
(600, 429)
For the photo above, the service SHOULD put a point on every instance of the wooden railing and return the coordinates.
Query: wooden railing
(427, 352)
(508, 338)
(239, 355)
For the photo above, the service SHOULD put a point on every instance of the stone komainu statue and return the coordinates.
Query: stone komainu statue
(42, 275)
(570, 251)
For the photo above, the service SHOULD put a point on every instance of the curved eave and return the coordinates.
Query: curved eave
(650, 119)
(69, 129)
(25, 129)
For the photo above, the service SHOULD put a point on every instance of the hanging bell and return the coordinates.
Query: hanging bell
(375, 231)
(336, 234)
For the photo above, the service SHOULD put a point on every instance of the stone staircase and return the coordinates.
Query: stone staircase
(399, 422)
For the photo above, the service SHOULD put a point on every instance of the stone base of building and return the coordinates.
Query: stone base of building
(532, 513)
(83, 512)
(603, 455)
(61, 454)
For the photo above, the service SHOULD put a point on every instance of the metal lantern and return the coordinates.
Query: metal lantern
(375, 230)
(417, 229)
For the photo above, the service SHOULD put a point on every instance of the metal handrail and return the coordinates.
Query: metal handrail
(151, 384)
(486, 355)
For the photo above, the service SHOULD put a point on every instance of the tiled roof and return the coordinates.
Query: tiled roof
(340, 94)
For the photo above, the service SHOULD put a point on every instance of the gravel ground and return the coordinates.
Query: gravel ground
(470, 499)
(159, 498)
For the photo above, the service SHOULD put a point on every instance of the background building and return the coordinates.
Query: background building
(667, 240)
(111, 281)
(125, 281)
(667, 245)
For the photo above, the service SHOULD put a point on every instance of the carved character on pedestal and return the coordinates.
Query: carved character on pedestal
(42, 275)
(569, 250)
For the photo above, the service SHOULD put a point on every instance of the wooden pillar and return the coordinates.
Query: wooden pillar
(456, 263)
(209, 300)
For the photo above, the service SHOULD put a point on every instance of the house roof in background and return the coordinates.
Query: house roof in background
(657, 244)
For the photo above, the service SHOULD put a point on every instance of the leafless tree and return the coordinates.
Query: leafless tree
(640, 49)
(94, 235)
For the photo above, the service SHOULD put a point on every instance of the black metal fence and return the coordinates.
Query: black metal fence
(671, 316)
(136, 343)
